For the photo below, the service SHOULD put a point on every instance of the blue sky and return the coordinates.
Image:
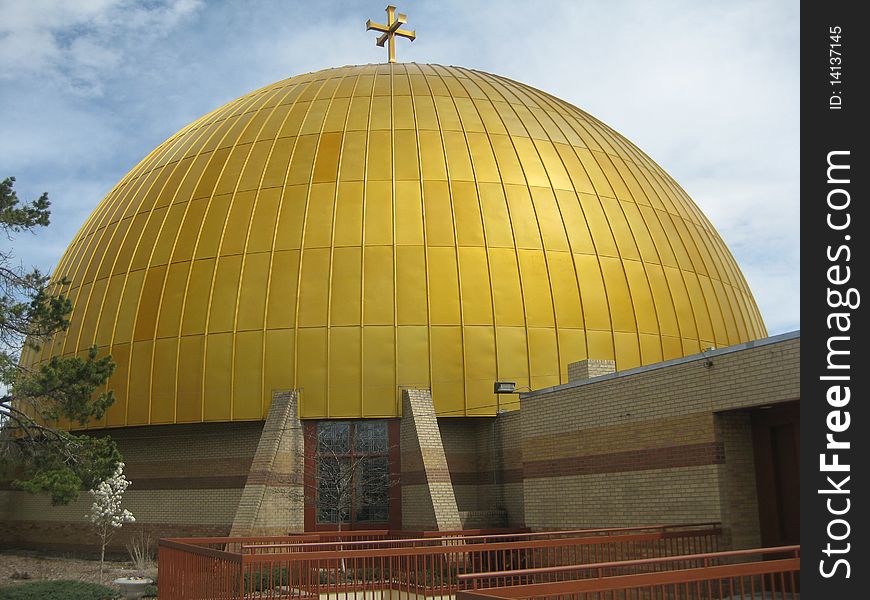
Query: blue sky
(710, 90)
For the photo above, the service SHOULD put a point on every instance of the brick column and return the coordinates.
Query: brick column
(428, 501)
(589, 368)
(273, 499)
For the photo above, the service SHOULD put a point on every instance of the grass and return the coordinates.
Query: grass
(58, 590)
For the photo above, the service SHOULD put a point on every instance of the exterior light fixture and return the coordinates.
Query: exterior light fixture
(504, 387)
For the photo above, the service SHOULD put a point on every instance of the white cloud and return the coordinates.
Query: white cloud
(80, 43)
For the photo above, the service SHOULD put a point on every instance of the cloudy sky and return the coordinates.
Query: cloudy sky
(708, 89)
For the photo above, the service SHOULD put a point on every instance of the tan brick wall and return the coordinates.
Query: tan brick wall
(186, 480)
(654, 445)
(462, 438)
(764, 374)
(509, 465)
(417, 509)
(589, 368)
(681, 495)
(484, 457)
(483, 519)
(79, 538)
(737, 480)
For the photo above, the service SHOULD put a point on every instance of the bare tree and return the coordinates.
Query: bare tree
(349, 472)
(345, 481)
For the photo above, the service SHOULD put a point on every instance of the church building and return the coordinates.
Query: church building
(337, 269)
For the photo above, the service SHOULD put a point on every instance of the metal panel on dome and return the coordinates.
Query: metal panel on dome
(359, 229)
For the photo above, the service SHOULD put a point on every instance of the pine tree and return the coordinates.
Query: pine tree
(34, 451)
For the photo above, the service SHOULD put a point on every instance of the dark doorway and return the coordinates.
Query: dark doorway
(776, 443)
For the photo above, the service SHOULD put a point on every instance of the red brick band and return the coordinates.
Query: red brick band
(183, 482)
(262, 477)
(215, 482)
(418, 477)
(669, 457)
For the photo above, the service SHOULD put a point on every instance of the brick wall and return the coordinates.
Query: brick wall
(186, 480)
(460, 437)
(508, 432)
(737, 479)
(669, 443)
(663, 444)
(589, 368)
(485, 463)
(473, 452)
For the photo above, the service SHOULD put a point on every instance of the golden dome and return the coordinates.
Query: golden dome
(359, 229)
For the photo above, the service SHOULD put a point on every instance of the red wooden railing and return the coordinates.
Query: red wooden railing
(344, 564)
(188, 572)
(405, 539)
(768, 573)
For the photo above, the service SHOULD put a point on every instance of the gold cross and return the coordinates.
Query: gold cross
(390, 30)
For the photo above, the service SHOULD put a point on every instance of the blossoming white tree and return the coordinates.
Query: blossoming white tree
(106, 514)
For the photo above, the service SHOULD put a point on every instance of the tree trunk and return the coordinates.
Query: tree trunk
(341, 548)
(102, 556)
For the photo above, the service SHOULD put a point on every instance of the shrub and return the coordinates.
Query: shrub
(58, 590)
(260, 581)
(142, 551)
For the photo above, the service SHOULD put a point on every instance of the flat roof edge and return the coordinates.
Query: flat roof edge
(775, 339)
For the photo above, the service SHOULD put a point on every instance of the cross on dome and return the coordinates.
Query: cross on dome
(391, 30)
